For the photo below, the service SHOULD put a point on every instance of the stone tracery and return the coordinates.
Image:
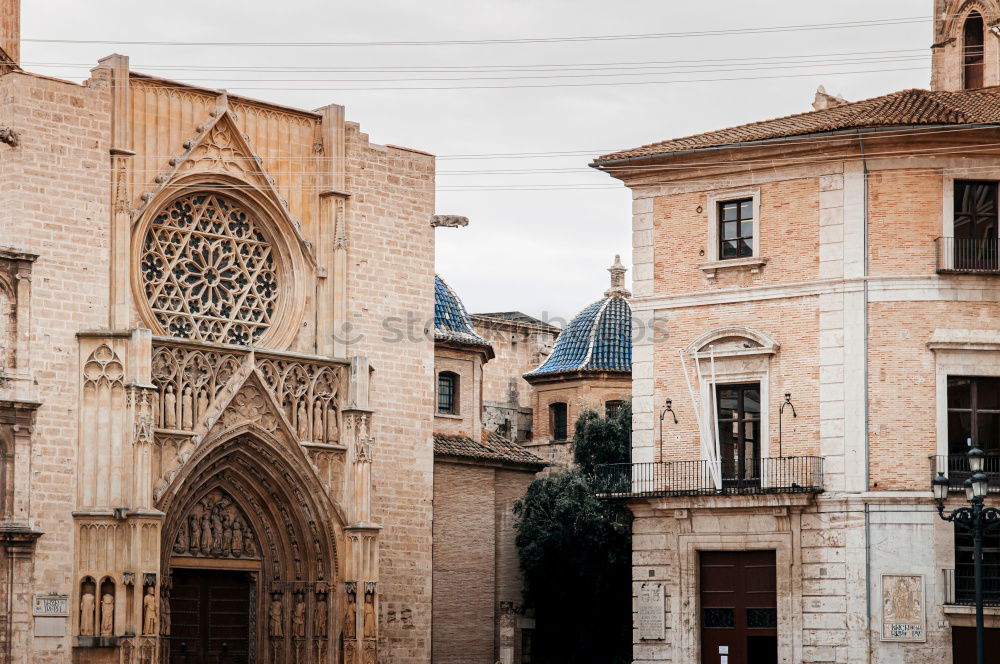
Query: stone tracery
(208, 270)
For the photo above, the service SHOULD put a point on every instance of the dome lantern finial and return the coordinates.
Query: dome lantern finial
(617, 280)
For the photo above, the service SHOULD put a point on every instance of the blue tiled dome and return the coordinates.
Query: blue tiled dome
(451, 320)
(599, 338)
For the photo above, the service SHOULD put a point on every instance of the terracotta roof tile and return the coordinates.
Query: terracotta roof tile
(490, 448)
(907, 107)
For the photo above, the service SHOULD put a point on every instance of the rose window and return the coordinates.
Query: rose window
(208, 271)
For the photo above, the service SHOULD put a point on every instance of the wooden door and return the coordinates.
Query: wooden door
(211, 616)
(739, 615)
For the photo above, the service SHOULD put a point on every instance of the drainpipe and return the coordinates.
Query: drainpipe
(864, 282)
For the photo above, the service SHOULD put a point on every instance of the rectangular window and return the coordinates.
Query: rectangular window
(974, 413)
(611, 408)
(736, 229)
(975, 225)
(557, 421)
(739, 431)
(965, 572)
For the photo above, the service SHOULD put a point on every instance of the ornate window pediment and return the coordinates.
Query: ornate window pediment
(733, 341)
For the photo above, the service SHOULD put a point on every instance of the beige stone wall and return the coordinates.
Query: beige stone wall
(519, 349)
(390, 248)
(55, 203)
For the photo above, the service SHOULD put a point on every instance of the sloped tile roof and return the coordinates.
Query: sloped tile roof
(516, 317)
(491, 447)
(599, 338)
(907, 107)
(451, 320)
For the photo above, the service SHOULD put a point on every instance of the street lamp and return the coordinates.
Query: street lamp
(977, 520)
(668, 407)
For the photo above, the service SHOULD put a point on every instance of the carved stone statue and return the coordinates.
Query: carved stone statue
(237, 546)
(299, 618)
(216, 529)
(170, 408)
(181, 544)
(317, 424)
(202, 403)
(195, 534)
(187, 409)
(332, 432)
(319, 618)
(351, 617)
(87, 614)
(206, 535)
(302, 420)
(107, 615)
(249, 544)
(164, 612)
(227, 535)
(274, 627)
(149, 612)
(369, 615)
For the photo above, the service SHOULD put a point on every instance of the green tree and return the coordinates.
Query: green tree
(576, 553)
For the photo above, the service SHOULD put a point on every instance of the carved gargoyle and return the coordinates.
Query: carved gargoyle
(9, 136)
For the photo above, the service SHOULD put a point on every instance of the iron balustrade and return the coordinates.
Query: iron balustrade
(956, 468)
(968, 255)
(960, 585)
(698, 478)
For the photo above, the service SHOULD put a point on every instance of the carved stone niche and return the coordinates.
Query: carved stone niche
(216, 528)
(15, 299)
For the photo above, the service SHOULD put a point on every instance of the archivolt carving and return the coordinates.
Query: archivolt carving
(216, 528)
(208, 270)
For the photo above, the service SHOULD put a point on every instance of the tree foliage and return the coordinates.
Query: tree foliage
(575, 551)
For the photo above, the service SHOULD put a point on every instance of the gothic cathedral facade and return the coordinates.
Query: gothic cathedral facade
(211, 448)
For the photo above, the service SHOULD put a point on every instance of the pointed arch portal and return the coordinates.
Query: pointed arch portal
(249, 551)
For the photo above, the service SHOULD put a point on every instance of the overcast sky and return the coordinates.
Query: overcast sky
(543, 228)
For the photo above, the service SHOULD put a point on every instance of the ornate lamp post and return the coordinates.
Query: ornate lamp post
(977, 520)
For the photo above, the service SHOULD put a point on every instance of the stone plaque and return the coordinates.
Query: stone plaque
(50, 605)
(903, 608)
(651, 622)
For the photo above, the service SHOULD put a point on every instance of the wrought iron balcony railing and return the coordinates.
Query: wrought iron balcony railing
(705, 478)
(968, 255)
(960, 585)
(956, 468)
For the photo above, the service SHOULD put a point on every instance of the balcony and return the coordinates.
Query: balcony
(956, 468)
(967, 255)
(960, 585)
(704, 478)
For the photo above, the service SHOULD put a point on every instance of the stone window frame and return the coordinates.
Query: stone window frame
(714, 263)
(959, 352)
(789, 592)
(733, 367)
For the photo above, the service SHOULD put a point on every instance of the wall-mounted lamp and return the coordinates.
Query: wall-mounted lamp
(781, 415)
(668, 407)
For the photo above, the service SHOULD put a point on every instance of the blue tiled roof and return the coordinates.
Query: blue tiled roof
(451, 320)
(598, 339)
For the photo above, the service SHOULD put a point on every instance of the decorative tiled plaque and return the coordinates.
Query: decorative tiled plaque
(903, 608)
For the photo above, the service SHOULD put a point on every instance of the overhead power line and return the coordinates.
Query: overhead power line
(518, 40)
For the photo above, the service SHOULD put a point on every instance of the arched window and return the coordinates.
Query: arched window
(973, 57)
(557, 421)
(448, 393)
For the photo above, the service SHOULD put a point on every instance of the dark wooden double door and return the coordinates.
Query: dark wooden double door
(739, 614)
(212, 616)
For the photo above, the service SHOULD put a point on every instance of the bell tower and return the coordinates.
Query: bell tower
(10, 33)
(966, 49)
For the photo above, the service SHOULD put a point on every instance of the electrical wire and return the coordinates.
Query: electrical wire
(517, 40)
